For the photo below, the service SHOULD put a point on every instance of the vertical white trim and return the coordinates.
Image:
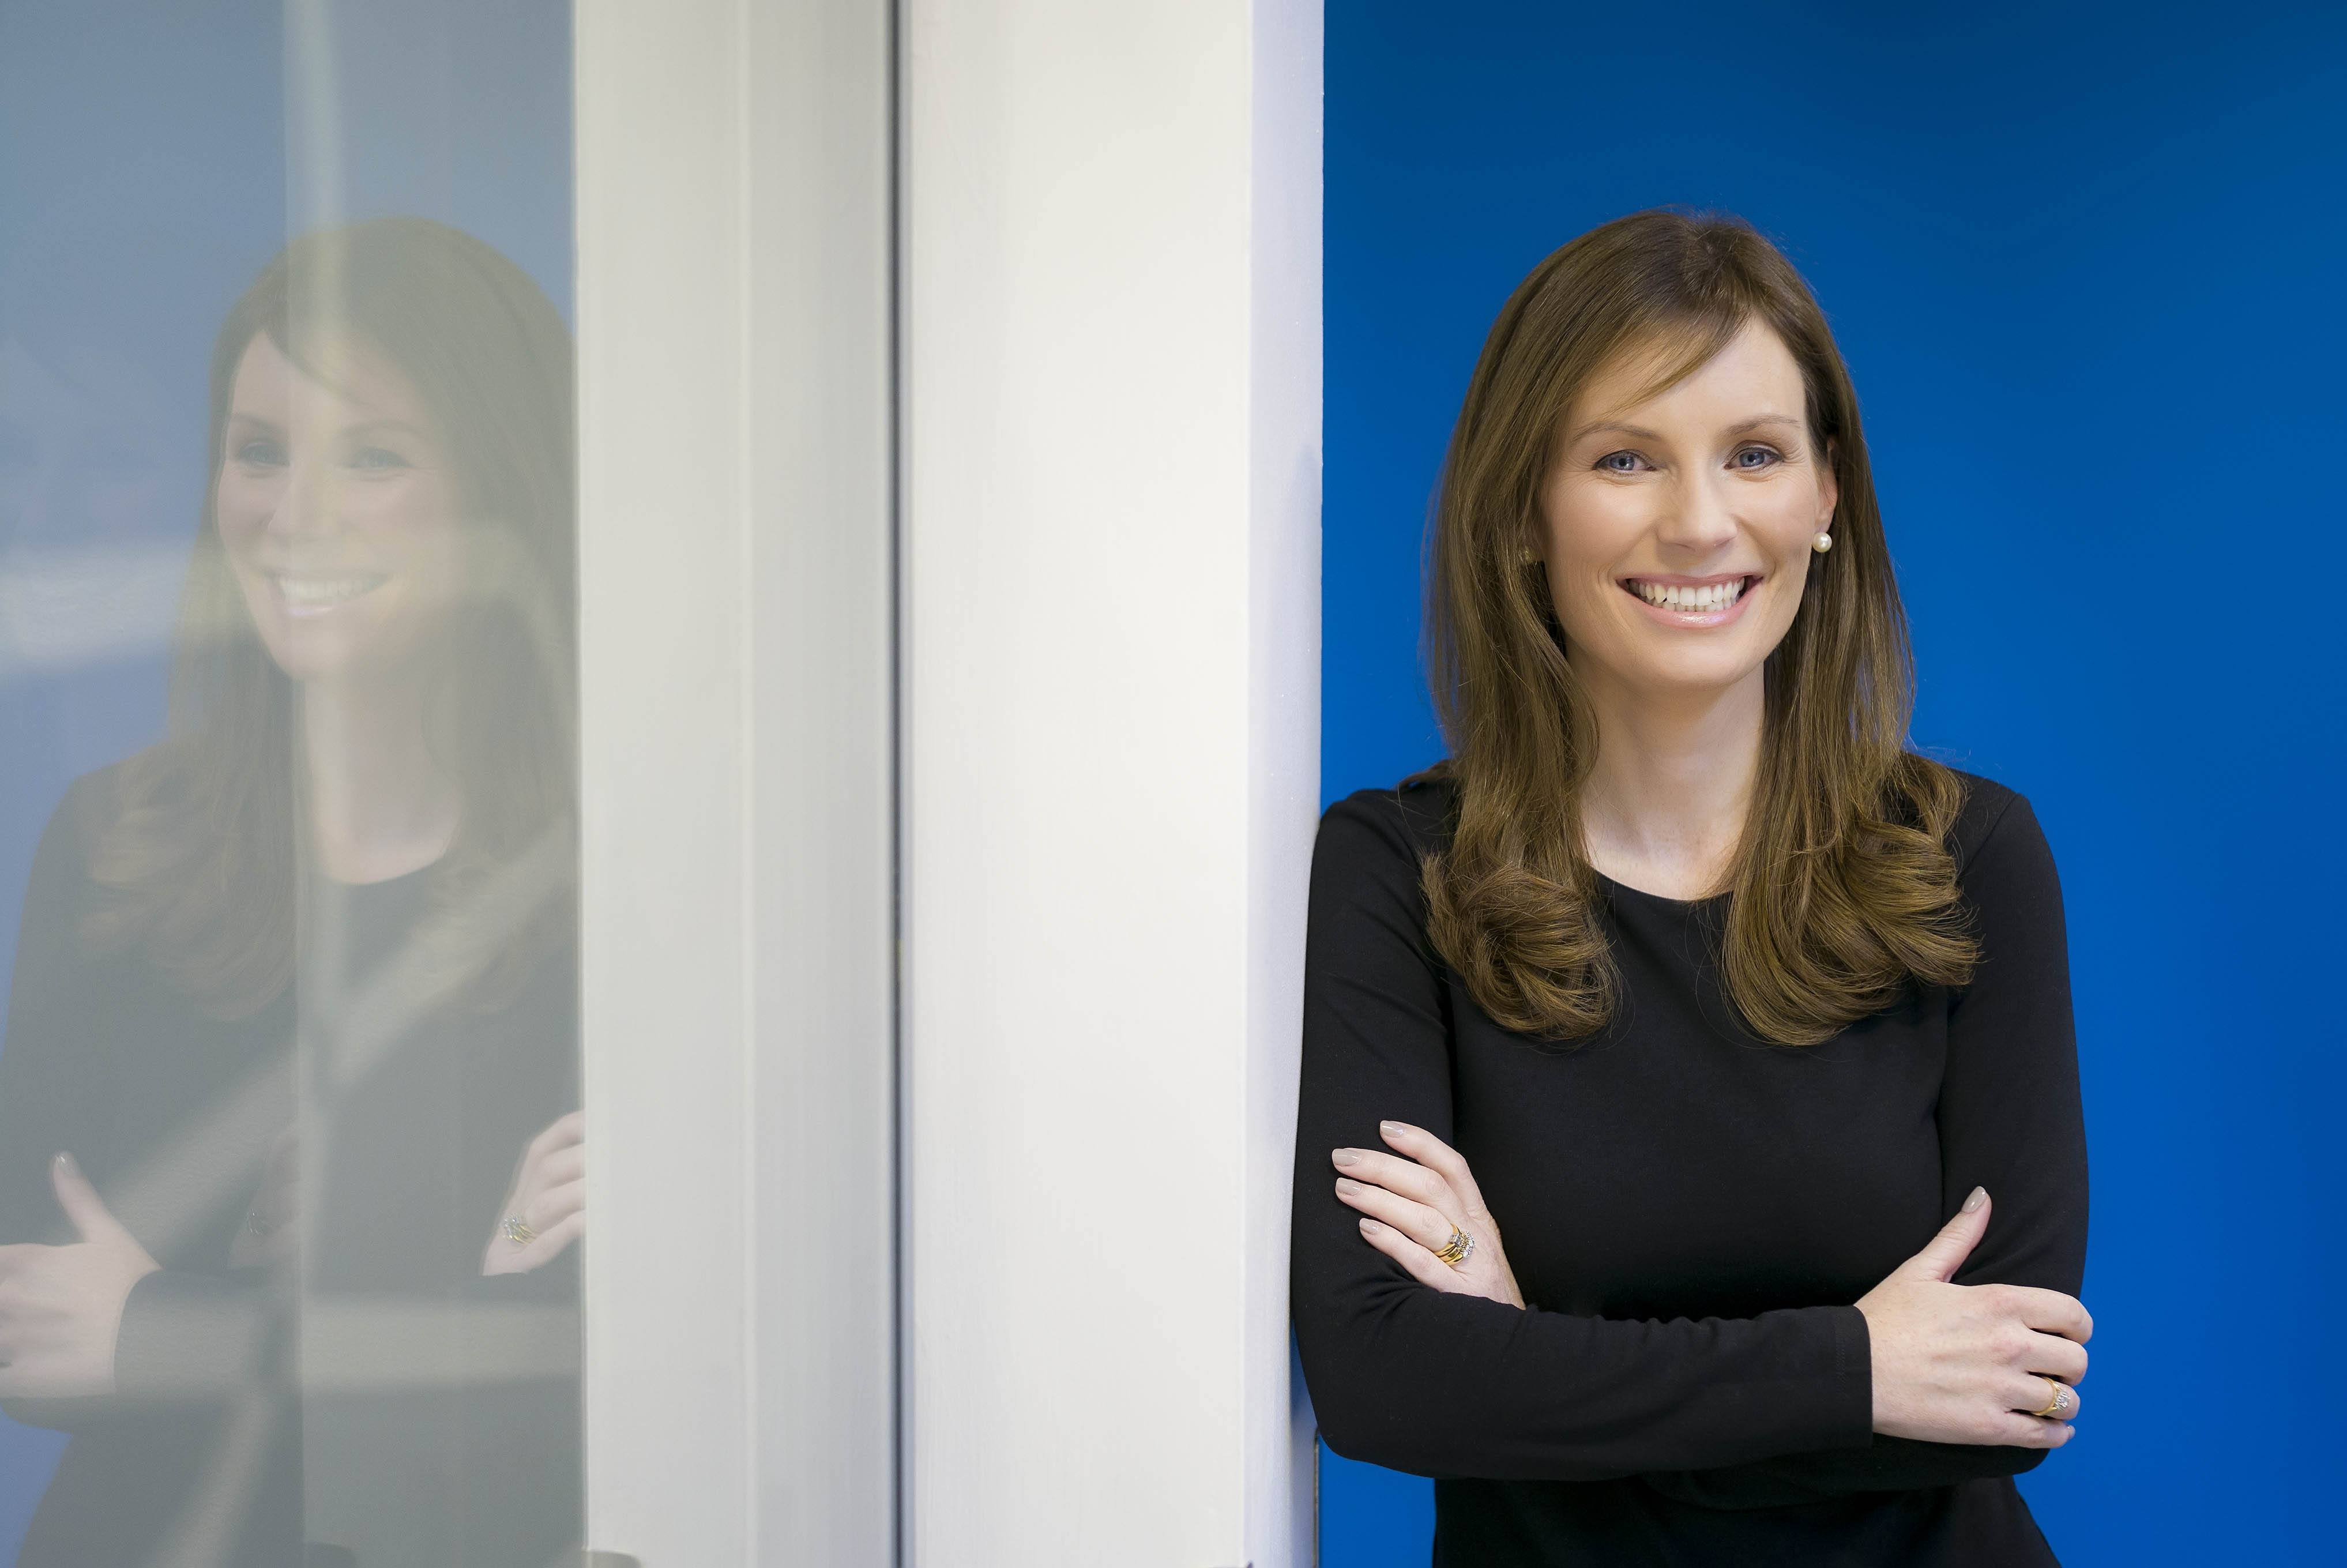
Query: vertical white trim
(733, 183)
(1111, 298)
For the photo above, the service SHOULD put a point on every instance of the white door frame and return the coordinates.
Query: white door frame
(1110, 385)
(1106, 253)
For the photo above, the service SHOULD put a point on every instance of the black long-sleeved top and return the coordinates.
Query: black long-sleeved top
(1691, 1212)
(218, 1445)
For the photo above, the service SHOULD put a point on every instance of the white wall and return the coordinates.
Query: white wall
(1109, 589)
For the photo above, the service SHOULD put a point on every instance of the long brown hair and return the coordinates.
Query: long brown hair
(198, 848)
(1842, 890)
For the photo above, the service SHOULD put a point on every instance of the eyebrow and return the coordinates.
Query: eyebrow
(364, 428)
(1642, 433)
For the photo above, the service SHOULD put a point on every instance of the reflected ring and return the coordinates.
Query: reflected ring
(1458, 1249)
(518, 1230)
(2060, 1400)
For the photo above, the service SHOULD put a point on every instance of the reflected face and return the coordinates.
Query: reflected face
(338, 509)
(1677, 529)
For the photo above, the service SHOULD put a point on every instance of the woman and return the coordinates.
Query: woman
(289, 1158)
(1687, 970)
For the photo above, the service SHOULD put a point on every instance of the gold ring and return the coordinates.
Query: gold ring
(2061, 1397)
(518, 1230)
(1458, 1249)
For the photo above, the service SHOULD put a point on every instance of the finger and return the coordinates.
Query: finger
(91, 1218)
(562, 1132)
(2055, 1356)
(550, 1243)
(553, 1206)
(565, 1164)
(1396, 1174)
(1946, 1251)
(1430, 1228)
(2015, 1431)
(1440, 1157)
(2029, 1396)
(1421, 1265)
(2048, 1311)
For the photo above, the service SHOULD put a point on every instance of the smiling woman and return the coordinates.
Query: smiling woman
(296, 992)
(1686, 968)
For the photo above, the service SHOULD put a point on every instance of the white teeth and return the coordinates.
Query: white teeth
(317, 592)
(1713, 596)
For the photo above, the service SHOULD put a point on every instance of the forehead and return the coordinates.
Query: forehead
(1753, 372)
(341, 378)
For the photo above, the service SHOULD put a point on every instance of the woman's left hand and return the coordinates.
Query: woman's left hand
(1411, 1201)
(61, 1307)
(547, 1209)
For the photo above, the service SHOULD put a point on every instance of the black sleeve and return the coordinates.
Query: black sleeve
(50, 1088)
(2010, 1120)
(184, 1333)
(1415, 1380)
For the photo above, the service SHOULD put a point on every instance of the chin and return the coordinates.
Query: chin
(319, 652)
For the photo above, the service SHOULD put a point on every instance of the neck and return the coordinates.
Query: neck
(1664, 805)
(379, 808)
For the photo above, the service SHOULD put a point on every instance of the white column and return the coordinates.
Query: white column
(736, 582)
(1109, 686)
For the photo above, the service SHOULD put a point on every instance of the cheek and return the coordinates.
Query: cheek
(240, 508)
(409, 526)
(1791, 515)
(1591, 529)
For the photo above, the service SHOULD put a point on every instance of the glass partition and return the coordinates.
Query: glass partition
(333, 645)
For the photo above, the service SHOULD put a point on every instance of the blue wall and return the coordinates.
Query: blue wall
(2086, 266)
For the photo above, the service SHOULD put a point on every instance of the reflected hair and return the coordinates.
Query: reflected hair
(198, 849)
(1842, 891)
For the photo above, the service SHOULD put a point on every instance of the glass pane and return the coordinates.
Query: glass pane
(291, 1143)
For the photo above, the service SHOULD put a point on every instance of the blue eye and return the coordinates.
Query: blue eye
(377, 459)
(1761, 452)
(1611, 466)
(260, 453)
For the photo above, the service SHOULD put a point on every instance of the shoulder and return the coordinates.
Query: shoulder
(2000, 849)
(89, 811)
(1402, 823)
(83, 814)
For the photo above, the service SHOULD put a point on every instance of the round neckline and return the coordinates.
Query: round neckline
(1680, 904)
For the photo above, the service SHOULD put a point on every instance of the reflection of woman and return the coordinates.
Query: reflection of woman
(295, 992)
(1687, 970)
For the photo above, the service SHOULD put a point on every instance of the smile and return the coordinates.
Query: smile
(314, 594)
(1710, 602)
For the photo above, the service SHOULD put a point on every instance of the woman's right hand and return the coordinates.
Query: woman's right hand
(1958, 1363)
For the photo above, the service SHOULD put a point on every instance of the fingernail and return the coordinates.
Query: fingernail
(1979, 1197)
(1347, 1185)
(65, 1163)
(1346, 1156)
(1371, 1226)
(1391, 1128)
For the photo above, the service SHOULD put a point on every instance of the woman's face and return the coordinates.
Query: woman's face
(1678, 528)
(338, 509)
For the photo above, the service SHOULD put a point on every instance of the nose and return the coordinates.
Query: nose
(1699, 518)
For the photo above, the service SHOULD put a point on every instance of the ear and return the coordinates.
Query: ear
(1829, 486)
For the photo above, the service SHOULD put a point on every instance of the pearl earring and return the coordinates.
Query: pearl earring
(1821, 542)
